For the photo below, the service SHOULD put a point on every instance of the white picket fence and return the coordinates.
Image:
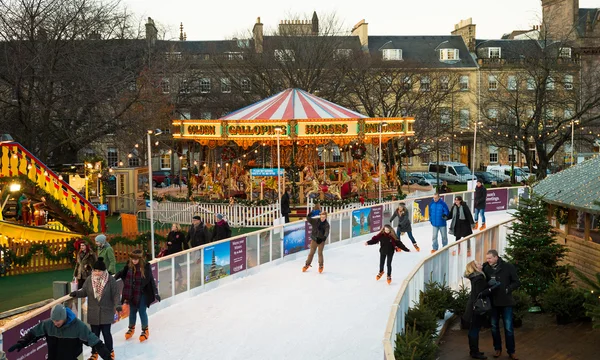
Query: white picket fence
(237, 215)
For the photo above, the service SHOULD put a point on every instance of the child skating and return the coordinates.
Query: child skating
(404, 224)
(388, 242)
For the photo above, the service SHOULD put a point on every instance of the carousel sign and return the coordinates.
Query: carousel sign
(253, 129)
(311, 129)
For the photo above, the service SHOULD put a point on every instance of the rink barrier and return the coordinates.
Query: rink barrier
(447, 264)
(183, 275)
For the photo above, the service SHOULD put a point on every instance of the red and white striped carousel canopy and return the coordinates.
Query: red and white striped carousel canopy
(293, 104)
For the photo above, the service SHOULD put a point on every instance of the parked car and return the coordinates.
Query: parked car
(487, 177)
(452, 172)
(504, 171)
(165, 178)
(422, 178)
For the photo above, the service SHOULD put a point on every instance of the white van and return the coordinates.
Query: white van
(503, 172)
(452, 172)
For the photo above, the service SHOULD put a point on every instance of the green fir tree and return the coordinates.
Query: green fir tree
(533, 250)
(592, 296)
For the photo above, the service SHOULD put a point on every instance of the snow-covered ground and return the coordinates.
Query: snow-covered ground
(282, 313)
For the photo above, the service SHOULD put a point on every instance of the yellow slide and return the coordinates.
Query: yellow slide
(32, 233)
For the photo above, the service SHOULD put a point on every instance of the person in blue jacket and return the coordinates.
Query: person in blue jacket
(438, 214)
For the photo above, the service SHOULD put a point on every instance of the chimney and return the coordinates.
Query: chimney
(257, 34)
(151, 32)
(361, 29)
(315, 24)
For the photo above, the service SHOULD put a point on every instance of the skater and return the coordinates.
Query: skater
(103, 299)
(404, 224)
(315, 211)
(479, 288)
(462, 221)
(85, 260)
(196, 236)
(479, 204)
(438, 214)
(318, 235)
(107, 253)
(285, 205)
(221, 230)
(65, 334)
(388, 243)
(139, 291)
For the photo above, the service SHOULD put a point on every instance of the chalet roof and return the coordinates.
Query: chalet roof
(576, 187)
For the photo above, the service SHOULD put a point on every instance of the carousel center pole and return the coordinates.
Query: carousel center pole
(381, 126)
(278, 130)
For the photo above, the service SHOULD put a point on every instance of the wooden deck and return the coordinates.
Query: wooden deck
(539, 339)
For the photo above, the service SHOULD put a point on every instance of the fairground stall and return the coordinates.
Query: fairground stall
(324, 149)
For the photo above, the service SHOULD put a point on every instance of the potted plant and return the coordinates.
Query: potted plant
(564, 301)
(437, 297)
(459, 304)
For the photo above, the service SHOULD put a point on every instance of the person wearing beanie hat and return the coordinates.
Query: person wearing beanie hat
(103, 300)
(221, 230)
(196, 235)
(65, 335)
(139, 291)
(106, 251)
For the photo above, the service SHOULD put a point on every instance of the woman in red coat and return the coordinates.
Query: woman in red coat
(388, 242)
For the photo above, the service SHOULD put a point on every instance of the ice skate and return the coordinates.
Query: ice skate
(112, 355)
(416, 247)
(305, 267)
(475, 227)
(93, 357)
(379, 275)
(433, 251)
(389, 280)
(320, 269)
(129, 333)
(144, 335)
(482, 227)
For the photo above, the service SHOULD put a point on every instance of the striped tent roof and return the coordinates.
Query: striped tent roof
(292, 104)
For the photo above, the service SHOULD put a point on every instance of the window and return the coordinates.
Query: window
(444, 82)
(176, 55)
(165, 86)
(342, 54)
(464, 83)
(512, 83)
(532, 152)
(449, 54)
(549, 83)
(564, 53)
(530, 83)
(493, 117)
(205, 115)
(337, 156)
(492, 83)
(184, 87)
(134, 161)
(465, 118)
(407, 83)
(112, 156)
(511, 116)
(391, 54)
(285, 55)
(245, 85)
(425, 83)
(185, 115)
(243, 43)
(385, 81)
(493, 150)
(512, 157)
(494, 53)
(530, 113)
(568, 82)
(205, 85)
(569, 113)
(231, 55)
(445, 115)
(225, 85)
(549, 117)
(165, 161)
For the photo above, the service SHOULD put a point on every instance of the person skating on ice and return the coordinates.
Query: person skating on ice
(388, 242)
(318, 235)
(404, 224)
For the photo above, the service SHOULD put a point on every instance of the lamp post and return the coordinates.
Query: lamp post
(572, 140)
(11, 188)
(87, 166)
(278, 130)
(381, 126)
(150, 132)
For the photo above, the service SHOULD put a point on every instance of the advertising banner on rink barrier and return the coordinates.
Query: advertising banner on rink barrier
(421, 209)
(376, 220)
(361, 222)
(497, 200)
(35, 351)
(296, 237)
(217, 261)
(238, 255)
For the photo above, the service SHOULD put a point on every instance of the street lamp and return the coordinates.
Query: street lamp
(87, 191)
(156, 133)
(381, 126)
(278, 130)
(573, 139)
(14, 187)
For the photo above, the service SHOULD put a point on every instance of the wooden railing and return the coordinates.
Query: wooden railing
(15, 160)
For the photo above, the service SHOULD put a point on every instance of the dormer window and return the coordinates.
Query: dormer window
(285, 55)
(342, 54)
(391, 54)
(449, 54)
(564, 53)
(495, 53)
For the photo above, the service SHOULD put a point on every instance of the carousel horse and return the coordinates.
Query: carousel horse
(232, 184)
(334, 189)
(208, 181)
(313, 188)
(308, 172)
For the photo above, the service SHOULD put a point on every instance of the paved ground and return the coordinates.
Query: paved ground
(539, 339)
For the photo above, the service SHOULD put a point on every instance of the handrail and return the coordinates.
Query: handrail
(37, 162)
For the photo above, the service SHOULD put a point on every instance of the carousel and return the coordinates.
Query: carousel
(325, 150)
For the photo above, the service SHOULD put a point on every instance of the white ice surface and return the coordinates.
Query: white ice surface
(282, 313)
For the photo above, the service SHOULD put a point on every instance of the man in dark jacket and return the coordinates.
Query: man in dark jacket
(196, 236)
(318, 235)
(285, 205)
(479, 204)
(221, 230)
(498, 271)
(64, 334)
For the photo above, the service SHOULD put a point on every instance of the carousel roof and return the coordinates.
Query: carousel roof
(293, 104)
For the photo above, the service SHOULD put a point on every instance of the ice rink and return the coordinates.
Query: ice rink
(282, 313)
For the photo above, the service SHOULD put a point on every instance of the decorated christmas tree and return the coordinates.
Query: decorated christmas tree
(532, 248)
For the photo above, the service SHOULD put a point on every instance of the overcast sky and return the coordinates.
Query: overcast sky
(222, 19)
